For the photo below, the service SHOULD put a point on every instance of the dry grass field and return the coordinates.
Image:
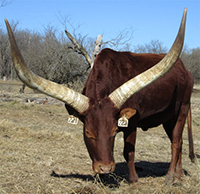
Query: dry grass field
(41, 153)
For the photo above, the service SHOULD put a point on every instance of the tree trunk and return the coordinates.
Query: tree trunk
(96, 50)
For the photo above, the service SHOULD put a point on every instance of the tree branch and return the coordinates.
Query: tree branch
(79, 47)
(3, 3)
(97, 48)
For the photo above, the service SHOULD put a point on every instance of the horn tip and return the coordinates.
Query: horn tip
(7, 23)
(185, 11)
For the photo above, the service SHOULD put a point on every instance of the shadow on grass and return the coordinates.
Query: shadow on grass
(78, 176)
(143, 168)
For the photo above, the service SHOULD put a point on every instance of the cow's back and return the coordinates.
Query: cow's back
(111, 69)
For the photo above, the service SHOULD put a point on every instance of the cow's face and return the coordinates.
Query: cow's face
(100, 128)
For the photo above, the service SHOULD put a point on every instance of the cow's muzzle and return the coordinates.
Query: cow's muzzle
(101, 168)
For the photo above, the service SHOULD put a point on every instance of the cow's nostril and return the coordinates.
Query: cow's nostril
(105, 169)
(101, 168)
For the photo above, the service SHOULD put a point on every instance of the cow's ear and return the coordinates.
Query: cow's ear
(74, 115)
(128, 112)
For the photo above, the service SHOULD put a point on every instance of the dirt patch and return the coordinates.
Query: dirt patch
(41, 153)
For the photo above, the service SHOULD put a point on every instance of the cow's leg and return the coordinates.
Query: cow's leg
(179, 171)
(174, 129)
(129, 153)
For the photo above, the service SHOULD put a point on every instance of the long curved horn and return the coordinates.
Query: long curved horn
(125, 91)
(65, 94)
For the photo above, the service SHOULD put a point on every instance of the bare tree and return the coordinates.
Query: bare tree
(3, 3)
(155, 46)
(121, 39)
(191, 59)
(52, 56)
(78, 41)
(47, 54)
(6, 67)
(83, 51)
(57, 61)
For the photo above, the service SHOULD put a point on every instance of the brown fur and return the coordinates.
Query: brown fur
(166, 101)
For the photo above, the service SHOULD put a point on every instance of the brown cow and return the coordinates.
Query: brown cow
(126, 85)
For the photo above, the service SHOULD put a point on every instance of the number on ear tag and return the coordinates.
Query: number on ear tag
(123, 122)
(72, 120)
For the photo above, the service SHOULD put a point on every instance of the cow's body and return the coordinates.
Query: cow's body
(130, 86)
(166, 101)
(112, 69)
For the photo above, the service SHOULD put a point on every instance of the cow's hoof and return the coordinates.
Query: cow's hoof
(169, 179)
(177, 182)
(133, 179)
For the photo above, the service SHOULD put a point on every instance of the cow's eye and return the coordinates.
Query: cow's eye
(89, 135)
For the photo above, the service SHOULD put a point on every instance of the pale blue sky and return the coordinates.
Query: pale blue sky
(150, 19)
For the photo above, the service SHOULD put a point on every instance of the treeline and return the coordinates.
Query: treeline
(190, 57)
(48, 54)
(54, 57)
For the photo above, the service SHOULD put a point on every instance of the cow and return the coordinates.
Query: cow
(125, 91)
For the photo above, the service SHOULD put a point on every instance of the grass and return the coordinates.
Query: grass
(41, 153)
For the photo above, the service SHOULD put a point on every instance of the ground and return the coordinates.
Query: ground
(41, 153)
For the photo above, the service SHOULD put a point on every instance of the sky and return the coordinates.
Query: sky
(147, 19)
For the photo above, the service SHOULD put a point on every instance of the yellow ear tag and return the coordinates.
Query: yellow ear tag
(123, 121)
(72, 120)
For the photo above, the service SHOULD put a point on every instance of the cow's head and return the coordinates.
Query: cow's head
(100, 128)
(99, 115)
